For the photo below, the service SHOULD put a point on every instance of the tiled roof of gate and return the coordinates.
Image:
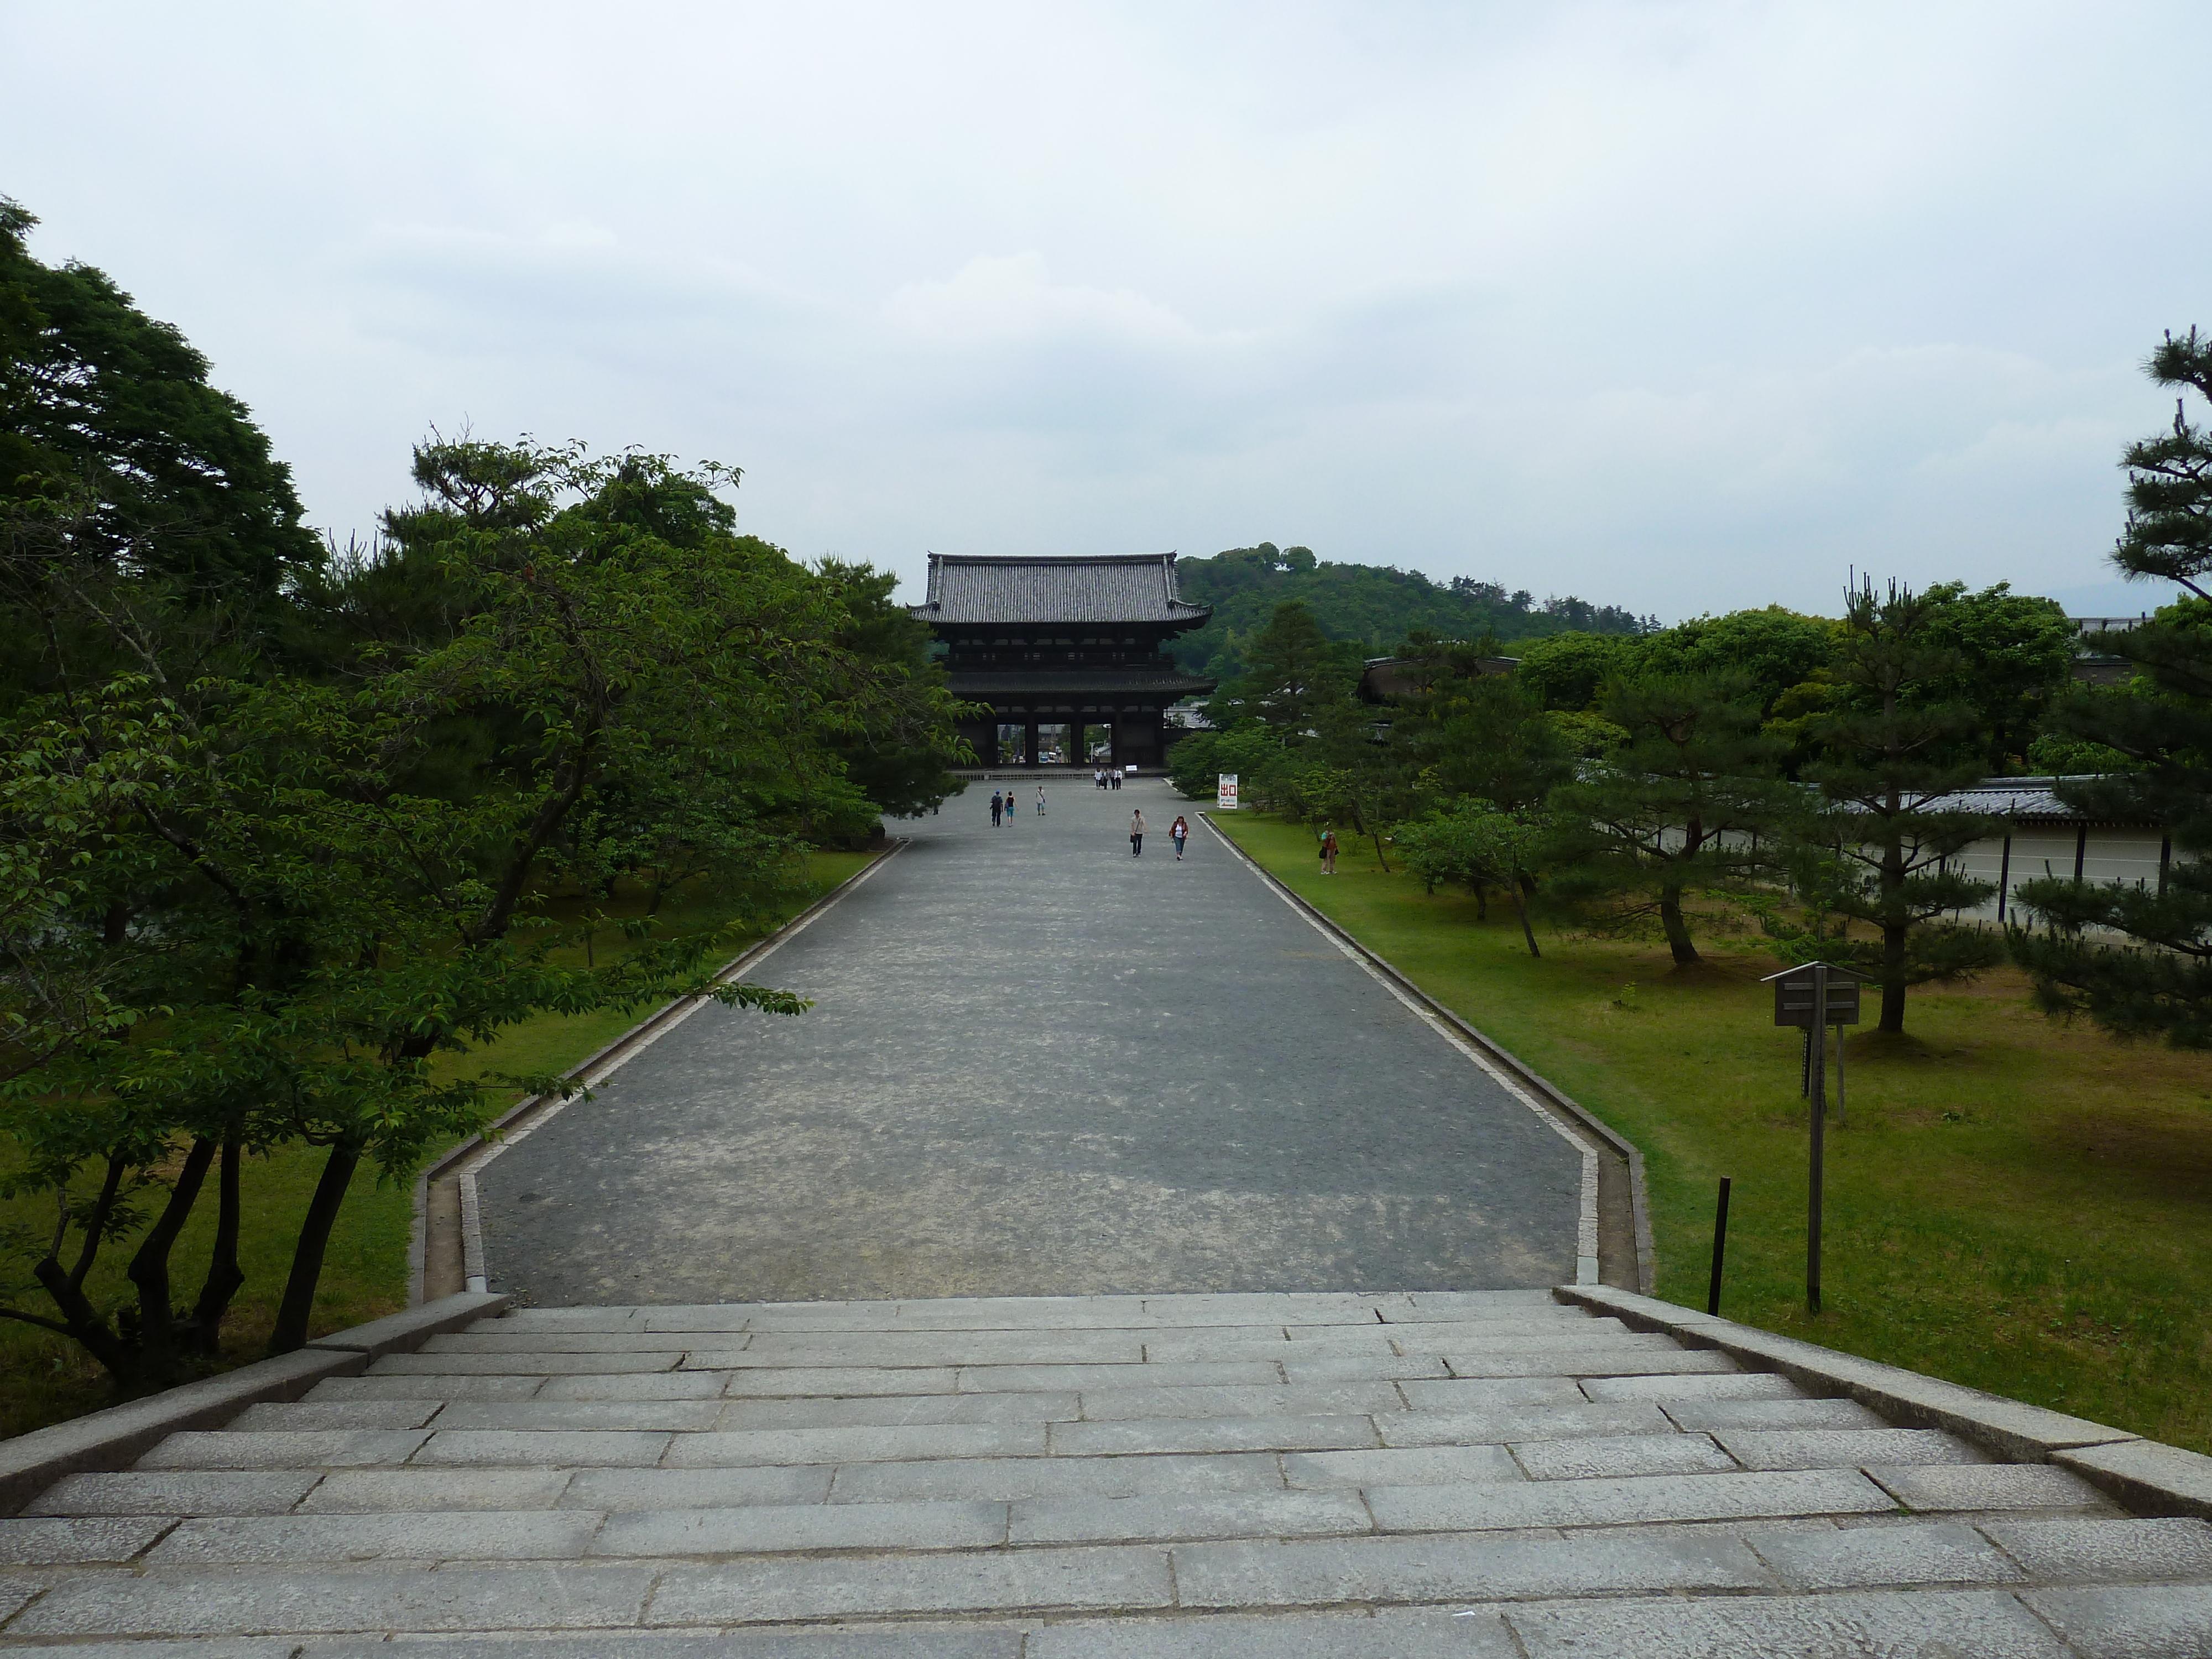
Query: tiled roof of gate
(1137, 588)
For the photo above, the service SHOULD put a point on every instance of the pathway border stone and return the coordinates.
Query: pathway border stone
(103, 1442)
(2148, 1476)
(1615, 1244)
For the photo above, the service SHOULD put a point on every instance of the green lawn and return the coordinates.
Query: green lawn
(46, 1378)
(2016, 1204)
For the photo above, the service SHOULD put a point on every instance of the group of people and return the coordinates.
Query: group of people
(1002, 806)
(1002, 809)
(1178, 832)
(1106, 777)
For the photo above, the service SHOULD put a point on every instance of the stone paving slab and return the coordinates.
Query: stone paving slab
(995, 1379)
(787, 1588)
(1214, 1434)
(1932, 1552)
(902, 1641)
(1640, 1500)
(259, 1491)
(1179, 1516)
(1590, 1457)
(1012, 1479)
(261, 1601)
(1429, 1570)
(367, 1492)
(563, 1448)
(898, 1411)
(1821, 1449)
(1498, 1425)
(2090, 1550)
(760, 1527)
(315, 1449)
(1975, 1486)
(806, 1382)
(434, 1388)
(1283, 1400)
(479, 1535)
(688, 1489)
(858, 1445)
(1389, 1635)
(74, 1541)
(2143, 1621)
(1984, 1625)
(1426, 1466)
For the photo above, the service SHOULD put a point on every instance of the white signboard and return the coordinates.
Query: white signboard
(1225, 792)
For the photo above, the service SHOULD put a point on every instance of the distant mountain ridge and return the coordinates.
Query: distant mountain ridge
(1372, 604)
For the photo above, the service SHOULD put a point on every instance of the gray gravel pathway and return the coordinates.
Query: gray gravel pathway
(1039, 1066)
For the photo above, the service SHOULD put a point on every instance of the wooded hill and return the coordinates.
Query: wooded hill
(1376, 605)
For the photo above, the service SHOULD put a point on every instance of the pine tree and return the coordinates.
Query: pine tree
(1881, 852)
(2163, 723)
(1685, 803)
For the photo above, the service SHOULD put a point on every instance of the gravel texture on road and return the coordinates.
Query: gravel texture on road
(1038, 1065)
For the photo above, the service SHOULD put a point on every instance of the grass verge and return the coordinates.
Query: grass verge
(2014, 1204)
(44, 1378)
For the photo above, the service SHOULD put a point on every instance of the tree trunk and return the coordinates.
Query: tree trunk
(1892, 976)
(1895, 925)
(1521, 906)
(224, 1276)
(150, 1268)
(299, 1304)
(86, 1324)
(1677, 930)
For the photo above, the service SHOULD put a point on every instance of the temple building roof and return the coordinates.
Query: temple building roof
(1123, 588)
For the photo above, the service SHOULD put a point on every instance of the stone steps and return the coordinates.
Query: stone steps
(1392, 1475)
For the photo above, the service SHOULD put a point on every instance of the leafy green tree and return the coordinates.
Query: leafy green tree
(1880, 853)
(1294, 675)
(2016, 656)
(1486, 736)
(1770, 649)
(1469, 843)
(1690, 802)
(318, 882)
(1567, 671)
(102, 402)
(1249, 749)
(1370, 607)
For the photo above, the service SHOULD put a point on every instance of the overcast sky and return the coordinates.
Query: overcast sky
(1683, 306)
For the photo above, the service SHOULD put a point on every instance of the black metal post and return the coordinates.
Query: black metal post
(1819, 1105)
(1720, 1249)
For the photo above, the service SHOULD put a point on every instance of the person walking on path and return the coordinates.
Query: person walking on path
(1329, 853)
(1040, 800)
(998, 806)
(1179, 832)
(1116, 776)
(1137, 834)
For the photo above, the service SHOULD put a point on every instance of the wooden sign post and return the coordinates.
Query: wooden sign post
(1816, 996)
